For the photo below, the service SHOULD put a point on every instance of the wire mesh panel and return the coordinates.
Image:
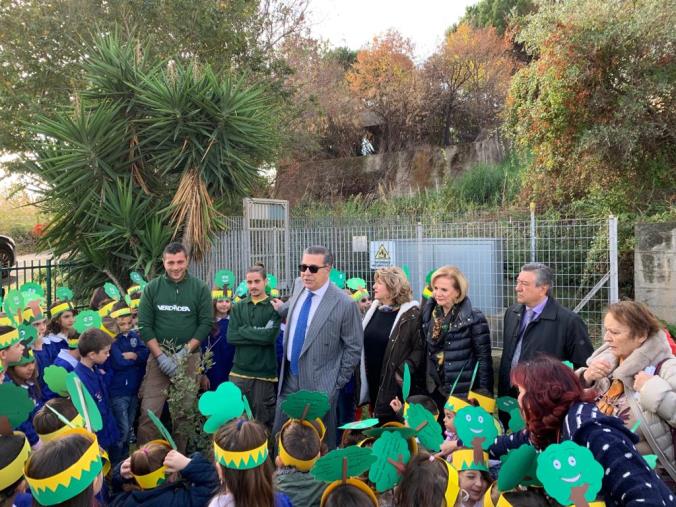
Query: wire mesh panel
(489, 252)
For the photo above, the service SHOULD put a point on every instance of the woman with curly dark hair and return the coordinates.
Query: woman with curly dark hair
(556, 407)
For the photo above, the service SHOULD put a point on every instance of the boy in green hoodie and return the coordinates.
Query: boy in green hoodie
(253, 329)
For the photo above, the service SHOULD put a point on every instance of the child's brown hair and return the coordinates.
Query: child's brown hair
(423, 482)
(45, 421)
(300, 441)
(252, 487)
(93, 340)
(348, 496)
(148, 458)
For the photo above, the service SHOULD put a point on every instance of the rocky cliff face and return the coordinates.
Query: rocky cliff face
(399, 173)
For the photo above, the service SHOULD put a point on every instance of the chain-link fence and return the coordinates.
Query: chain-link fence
(582, 254)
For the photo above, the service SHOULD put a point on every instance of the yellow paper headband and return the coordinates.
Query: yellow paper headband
(14, 470)
(105, 310)
(241, 460)
(220, 294)
(60, 308)
(133, 304)
(452, 484)
(153, 479)
(73, 480)
(463, 459)
(287, 459)
(485, 402)
(351, 482)
(122, 312)
(133, 288)
(9, 338)
(77, 422)
(454, 404)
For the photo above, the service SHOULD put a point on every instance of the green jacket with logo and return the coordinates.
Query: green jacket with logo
(252, 330)
(175, 312)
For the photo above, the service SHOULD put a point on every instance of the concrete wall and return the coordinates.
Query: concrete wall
(398, 174)
(655, 268)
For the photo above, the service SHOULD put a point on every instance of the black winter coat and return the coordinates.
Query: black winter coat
(557, 332)
(465, 339)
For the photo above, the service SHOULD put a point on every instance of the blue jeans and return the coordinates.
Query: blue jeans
(124, 408)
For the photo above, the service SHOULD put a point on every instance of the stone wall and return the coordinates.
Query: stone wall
(398, 174)
(655, 268)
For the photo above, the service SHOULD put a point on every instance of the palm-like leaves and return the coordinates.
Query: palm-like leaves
(150, 152)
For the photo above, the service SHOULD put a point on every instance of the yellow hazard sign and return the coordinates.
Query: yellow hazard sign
(381, 254)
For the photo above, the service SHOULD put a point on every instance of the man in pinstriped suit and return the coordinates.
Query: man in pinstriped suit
(323, 337)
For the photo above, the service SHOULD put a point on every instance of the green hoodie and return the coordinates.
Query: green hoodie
(175, 312)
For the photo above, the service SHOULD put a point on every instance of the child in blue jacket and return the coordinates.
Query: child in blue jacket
(94, 347)
(217, 342)
(24, 373)
(188, 482)
(128, 357)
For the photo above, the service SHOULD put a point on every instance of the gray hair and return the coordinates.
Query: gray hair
(320, 250)
(543, 274)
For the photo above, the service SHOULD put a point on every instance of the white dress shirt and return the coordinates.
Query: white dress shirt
(316, 299)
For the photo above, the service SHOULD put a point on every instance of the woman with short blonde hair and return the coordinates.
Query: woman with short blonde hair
(457, 338)
(391, 339)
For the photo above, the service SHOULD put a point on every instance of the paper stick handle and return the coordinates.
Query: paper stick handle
(476, 368)
(61, 417)
(78, 386)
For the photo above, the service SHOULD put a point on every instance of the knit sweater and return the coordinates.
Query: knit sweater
(628, 480)
(253, 330)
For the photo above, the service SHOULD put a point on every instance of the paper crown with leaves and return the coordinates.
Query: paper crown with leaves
(463, 459)
(9, 338)
(72, 481)
(27, 357)
(158, 476)
(304, 408)
(358, 288)
(15, 409)
(341, 467)
(221, 294)
(227, 404)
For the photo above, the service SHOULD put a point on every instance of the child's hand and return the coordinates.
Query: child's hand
(396, 405)
(205, 384)
(129, 356)
(448, 447)
(175, 461)
(125, 469)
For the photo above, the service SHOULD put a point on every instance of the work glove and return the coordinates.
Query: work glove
(167, 365)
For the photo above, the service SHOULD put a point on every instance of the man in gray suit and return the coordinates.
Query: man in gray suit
(323, 337)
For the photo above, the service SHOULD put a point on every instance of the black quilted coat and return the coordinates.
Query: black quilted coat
(464, 340)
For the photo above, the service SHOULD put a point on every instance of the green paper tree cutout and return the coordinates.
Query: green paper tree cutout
(247, 408)
(241, 289)
(343, 463)
(570, 473)
(407, 271)
(569, 364)
(518, 468)
(224, 278)
(13, 306)
(27, 334)
(112, 291)
(428, 278)
(136, 277)
(64, 294)
(516, 422)
(476, 427)
(88, 319)
(406, 384)
(55, 378)
(507, 403)
(127, 299)
(221, 406)
(392, 453)
(356, 283)
(404, 432)
(272, 281)
(32, 291)
(306, 405)
(337, 277)
(79, 394)
(426, 425)
(162, 429)
(651, 459)
(360, 425)
(16, 404)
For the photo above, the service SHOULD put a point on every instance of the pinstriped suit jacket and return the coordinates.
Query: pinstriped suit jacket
(333, 341)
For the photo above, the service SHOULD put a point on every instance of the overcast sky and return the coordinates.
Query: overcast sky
(353, 23)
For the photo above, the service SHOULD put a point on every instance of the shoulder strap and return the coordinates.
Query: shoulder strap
(650, 438)
(659, 365)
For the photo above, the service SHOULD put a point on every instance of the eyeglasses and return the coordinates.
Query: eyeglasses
(313, 269)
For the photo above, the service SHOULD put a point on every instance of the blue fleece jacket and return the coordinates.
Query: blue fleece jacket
(198, 483)
(94, 381)
(127, 374)
(628, 480)
(51, 345)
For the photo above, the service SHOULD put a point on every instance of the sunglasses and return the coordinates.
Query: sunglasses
(312, 268)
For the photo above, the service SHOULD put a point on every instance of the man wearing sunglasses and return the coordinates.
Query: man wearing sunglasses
(323, 338)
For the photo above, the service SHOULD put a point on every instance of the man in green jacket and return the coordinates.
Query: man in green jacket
(175, 312)
(253, 329)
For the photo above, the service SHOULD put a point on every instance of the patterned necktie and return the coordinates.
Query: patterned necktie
(299, 332)
(517, 351)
